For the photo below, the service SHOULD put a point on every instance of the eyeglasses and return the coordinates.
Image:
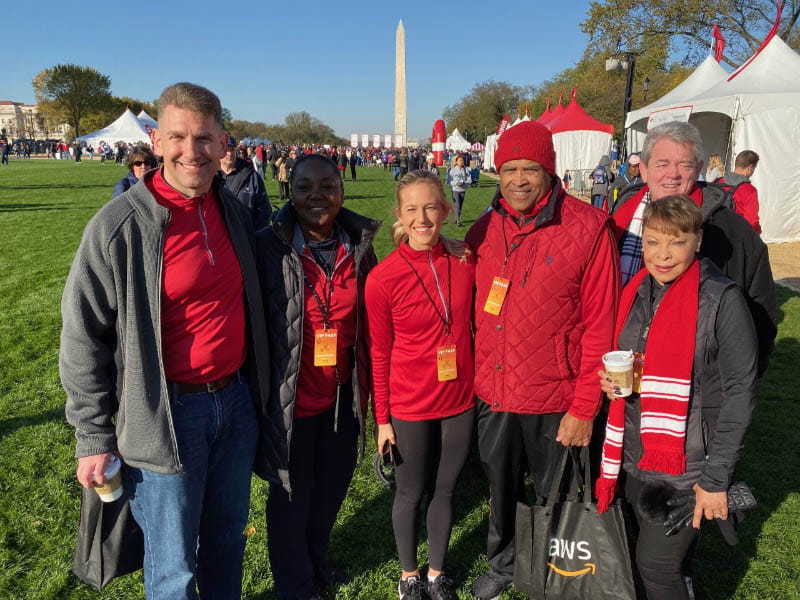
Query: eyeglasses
(139, 163)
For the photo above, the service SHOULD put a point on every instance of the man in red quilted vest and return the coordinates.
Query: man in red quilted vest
(547, 286)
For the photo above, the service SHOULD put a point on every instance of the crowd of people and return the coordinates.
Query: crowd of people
(205, 339)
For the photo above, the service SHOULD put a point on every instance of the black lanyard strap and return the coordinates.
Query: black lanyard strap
(445, 318)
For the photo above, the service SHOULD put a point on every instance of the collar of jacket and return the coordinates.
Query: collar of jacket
(546, 212)
(143, 202)
(715, 197)
(360, 229)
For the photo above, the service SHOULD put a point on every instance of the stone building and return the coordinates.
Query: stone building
(21, 120)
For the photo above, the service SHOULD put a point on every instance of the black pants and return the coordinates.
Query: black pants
(321, 465)
(353, 170)
(444, 445)
(508, 442)
(458, 202)
(659, 557)
(283, 190)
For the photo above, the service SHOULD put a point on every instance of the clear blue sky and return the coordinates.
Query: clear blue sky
(265, 59)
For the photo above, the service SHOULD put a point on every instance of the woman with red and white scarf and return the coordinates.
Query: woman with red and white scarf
(681, 429)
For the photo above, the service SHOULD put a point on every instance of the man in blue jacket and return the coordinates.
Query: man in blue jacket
(246, 184)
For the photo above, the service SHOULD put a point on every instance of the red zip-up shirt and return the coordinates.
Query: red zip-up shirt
(202, 297)
(405, 332)
(316, 386)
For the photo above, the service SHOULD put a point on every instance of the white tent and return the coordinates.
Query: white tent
(488, 152)
(708, 73)
(127, 128)
(758, 108)
(456, 141)
(579, 139)
(147, 120)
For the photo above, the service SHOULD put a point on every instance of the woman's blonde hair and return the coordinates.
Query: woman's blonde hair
(453, 247)
(715, 162)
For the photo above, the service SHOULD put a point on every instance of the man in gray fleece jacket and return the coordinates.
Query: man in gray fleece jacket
(163, 354)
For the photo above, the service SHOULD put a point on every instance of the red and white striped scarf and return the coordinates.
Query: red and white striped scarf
(666, 384)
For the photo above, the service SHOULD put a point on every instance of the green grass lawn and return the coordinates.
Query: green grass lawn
(44, 206)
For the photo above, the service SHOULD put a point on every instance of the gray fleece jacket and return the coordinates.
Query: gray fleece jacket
(111, 359)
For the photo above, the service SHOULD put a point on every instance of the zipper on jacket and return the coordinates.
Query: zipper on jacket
(205, 233)
(168, 410)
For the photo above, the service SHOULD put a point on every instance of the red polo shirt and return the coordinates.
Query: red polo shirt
(202, 306)
(316, 386)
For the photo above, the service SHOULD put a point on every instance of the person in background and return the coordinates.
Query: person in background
(602, 178)
(458, 178)
(745, 195)
(284, 165)
(566, 180)
(628, 176)
(313, 261)
(139, 161)
(716, 168)
(419, 312)
(246, 185)
(685, 425)
(354, 160)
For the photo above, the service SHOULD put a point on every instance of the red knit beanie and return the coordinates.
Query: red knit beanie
(528, 140)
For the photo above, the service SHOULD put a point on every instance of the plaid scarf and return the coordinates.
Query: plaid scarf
(631, 253)
(666, 384)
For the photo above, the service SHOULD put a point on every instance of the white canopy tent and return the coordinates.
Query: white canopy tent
(706, 75)
(579, 139)
(456, 141)
(127, 128)
(147, 120)
(758, 108)
(488, 152)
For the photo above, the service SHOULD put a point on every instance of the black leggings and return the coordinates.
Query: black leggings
(420, 444)
(659, 557)
(458, 202)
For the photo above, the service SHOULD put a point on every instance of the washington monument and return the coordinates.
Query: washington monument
(400, 83)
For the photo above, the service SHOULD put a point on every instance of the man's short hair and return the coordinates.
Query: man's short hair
(191, 97)
(746, 158)
(680, 133)
(673, 215)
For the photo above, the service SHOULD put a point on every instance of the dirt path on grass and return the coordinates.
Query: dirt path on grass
(785, 262)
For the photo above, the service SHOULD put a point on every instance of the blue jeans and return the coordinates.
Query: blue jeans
(597, 200)
(194, 521)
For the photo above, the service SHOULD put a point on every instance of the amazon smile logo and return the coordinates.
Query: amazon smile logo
(589, 568)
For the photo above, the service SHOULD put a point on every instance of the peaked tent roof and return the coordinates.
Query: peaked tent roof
(575, 118)
(456, 141)
(127, 128)
(707, 74)
(769, 80)
(147, 120)
(554, 114)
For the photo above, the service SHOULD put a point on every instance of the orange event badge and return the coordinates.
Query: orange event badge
(324, 347)
(497, 295)
(446, 362)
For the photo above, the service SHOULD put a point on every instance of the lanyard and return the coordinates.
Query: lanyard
(324, 306)
(444, 318)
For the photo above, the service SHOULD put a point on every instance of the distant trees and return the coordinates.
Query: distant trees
(297, 128)
(477, 113)
(648, 26)
(68, 93)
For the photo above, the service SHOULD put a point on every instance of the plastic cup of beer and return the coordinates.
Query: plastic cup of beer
(112, 489)
(619, 366)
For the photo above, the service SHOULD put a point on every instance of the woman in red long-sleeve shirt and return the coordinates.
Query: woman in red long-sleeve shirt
(419, 306)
